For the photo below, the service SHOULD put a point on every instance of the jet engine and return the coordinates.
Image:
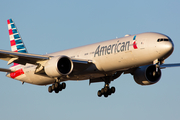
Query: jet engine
(58, 66)
(147, 75)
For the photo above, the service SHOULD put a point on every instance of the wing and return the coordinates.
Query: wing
(82, 64)
(21, 58)
(163, 66)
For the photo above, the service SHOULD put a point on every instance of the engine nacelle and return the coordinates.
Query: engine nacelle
(58, 66)
(147, 75)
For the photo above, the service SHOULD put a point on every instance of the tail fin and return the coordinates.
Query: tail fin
(17, 44)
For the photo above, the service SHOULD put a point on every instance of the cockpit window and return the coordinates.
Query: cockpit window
(166, 39)
(162, 39)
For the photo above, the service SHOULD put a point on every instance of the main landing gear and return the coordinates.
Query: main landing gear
(106, 91)
(56, 87)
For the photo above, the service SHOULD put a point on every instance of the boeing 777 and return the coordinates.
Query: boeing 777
(141, 55)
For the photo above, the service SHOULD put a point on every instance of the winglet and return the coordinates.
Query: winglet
(17, 44)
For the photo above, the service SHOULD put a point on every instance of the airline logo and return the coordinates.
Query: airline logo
(134, 43)
(110, 49)
(115, 48)
(15, 39)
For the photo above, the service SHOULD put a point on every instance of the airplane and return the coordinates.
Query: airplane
(141, 55)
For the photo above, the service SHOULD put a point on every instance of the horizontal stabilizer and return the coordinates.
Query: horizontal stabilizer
(6, 70)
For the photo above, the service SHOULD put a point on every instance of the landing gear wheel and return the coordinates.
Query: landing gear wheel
(53, 87)
(106, 95)
(102, 91)
(56, 85)
(109, 92)
(50, 89)
(99, 93)
(113, 89)
(56, 90)
(106, 89)
(60, 87)
(63, 85)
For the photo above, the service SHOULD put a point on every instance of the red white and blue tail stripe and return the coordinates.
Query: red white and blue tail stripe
(17, 44)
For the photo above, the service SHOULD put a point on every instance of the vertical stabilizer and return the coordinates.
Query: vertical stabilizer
(16, 42)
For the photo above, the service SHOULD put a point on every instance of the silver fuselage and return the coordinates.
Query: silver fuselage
(108, 57)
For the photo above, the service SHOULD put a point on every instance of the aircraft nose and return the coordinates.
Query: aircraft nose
(169, 46)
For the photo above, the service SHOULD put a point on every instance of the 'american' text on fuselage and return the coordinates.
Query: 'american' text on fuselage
(110, 49)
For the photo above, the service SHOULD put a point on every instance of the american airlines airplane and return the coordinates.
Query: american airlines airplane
(141, 55)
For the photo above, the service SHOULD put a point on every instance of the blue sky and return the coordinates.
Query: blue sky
(49, 26)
